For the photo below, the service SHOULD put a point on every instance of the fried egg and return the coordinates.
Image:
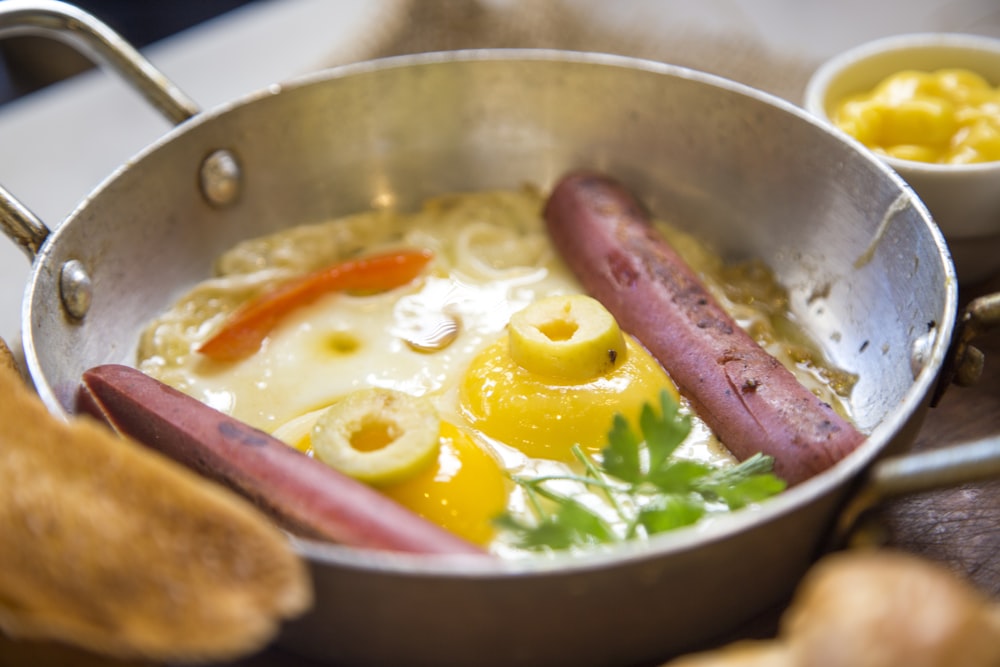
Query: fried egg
(442, 337)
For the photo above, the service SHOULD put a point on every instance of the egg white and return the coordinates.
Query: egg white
(299, 368)
(491, 259)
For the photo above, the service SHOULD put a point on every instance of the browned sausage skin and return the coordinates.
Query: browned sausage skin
(751, 402)
(303, 494)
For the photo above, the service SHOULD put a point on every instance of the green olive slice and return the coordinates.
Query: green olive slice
(572, 337)
(378, 436)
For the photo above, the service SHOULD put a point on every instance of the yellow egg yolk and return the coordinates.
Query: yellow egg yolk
(544, 416)
(463, 492)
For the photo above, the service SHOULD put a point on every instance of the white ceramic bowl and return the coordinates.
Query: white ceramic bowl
(963, 199)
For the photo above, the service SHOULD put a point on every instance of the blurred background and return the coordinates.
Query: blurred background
(65, 125)
(769, 43)
(30, 63)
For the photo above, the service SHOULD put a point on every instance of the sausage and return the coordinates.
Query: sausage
(749, 400)
(303, 494)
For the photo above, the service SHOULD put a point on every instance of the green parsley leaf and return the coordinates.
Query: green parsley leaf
(648, 488)
(669, 513)
(621, 456)
(679, 476)
(747, 482)
(664, 432)
(572, 525)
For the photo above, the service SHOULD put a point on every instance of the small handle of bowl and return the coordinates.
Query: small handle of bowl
(94, 39)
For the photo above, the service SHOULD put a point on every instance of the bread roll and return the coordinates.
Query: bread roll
(111, 547)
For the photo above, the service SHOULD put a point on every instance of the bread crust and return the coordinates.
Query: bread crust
(112, 547)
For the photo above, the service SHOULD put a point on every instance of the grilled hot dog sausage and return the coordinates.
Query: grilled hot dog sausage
(751, 402)
(304, 494)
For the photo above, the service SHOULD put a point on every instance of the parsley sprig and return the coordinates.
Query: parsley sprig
(646, 487)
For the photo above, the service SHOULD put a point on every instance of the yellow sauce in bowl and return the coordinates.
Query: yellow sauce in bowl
(948, 116)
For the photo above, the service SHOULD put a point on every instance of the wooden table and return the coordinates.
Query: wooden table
(961, 526)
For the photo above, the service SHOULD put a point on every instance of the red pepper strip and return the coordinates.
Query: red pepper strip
(246, 329)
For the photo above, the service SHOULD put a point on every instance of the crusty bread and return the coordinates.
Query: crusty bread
(874, 608)
(882, 608)
(7, 362)
(745, 653)
(113, 548)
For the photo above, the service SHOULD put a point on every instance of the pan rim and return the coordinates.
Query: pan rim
(680, 541)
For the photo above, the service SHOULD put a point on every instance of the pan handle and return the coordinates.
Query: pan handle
(94, 39)
(949, 466)
(21, 225)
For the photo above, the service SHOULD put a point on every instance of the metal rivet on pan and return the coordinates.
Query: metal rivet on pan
(75, 288)
(921, 352)
(221, 178)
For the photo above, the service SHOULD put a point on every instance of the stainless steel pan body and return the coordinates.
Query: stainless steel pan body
(868, 272)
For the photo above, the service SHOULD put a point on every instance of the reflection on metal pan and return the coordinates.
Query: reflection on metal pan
(751, 174)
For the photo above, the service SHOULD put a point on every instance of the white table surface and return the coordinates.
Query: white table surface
(58, 144)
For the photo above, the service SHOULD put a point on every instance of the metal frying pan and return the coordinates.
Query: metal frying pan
(868, 272)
